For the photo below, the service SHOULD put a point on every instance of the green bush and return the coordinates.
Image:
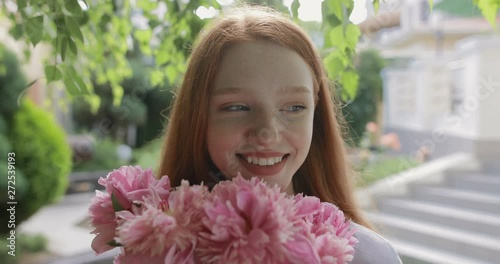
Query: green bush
(20, 183)
(25, 243)
(5, 146)
(43, 155)
(12, 83)
(363, 108)
(3, 126)
(148, 155)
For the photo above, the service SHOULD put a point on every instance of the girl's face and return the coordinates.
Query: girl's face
(260, 118)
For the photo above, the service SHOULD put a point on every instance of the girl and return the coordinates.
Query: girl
(255, 100)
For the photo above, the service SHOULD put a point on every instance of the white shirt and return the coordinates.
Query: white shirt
(372, 248)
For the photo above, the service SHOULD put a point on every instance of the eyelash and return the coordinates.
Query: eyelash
(245, 108)
(302, 108)
(234, 106)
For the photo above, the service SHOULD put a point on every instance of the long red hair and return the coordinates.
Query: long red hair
(325, 172)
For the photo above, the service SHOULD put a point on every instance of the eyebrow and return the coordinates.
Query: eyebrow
(283, 90)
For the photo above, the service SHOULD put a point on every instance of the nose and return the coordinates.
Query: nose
(266, 129)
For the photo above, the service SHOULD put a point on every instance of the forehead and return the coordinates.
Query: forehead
(262, 64)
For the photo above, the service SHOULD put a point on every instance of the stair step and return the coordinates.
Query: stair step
(476, 182)
(455, 241)
(473, 200)
(415, 253)
(475, 221)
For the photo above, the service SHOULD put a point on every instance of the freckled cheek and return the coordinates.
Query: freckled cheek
(300, 133)
(224, 135)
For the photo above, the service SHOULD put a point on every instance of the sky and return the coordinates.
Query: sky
(310, 10)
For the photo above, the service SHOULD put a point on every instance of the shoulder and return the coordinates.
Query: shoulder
(372, 248)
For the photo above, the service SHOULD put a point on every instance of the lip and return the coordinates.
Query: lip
(257, 170)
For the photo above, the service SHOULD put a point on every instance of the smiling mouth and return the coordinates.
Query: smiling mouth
(262, 161)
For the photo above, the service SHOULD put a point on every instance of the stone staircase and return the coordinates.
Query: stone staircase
(455, 220)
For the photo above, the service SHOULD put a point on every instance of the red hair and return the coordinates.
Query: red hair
(325, 172)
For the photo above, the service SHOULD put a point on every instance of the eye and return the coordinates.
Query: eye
(295, 108)
(234, 108)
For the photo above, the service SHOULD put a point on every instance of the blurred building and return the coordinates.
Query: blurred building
(443, 80)
(441, 95)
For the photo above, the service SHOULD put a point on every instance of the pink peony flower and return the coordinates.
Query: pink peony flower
(246, 222)
(102, 218)
(127, 184)
(333, 239)
(240, 221)
(164, 228)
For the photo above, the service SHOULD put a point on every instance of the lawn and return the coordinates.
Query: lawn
(381, 166)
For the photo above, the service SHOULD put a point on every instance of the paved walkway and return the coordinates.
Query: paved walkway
(62, 224)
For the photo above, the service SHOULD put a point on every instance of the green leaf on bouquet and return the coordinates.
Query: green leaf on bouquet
(116, 205)
(114, 244)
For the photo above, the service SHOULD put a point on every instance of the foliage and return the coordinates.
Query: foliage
(43, 155)
(489, 9)
(3, 126)
(104, 157)
(158, 101)
(25, 243)
(147, 156)
(12, 83)
(141, 103)
(363, 108)
(93, 39)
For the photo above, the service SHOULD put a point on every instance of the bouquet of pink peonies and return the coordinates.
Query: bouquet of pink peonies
(238, 221)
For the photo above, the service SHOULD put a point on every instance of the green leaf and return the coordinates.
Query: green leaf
(74, 83)
(335, 7)
(352, 34)
(431, 4)
(73, 7)
(143, 35)
(53, 73)
(295, 8)
(147, 5)
(489, 9)
(74, 28)
(172, 74)
(72, 46)
(64, 46)
(334, 65)
(114, 244)
(156, 77)
(94, 102)
(21, 4)
(34, 29)
(349, 81)
(376, 5)
(116, 205)
(337, 38)
(16, 31)
(117, 91)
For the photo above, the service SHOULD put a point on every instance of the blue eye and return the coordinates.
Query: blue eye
(295, 108)
(234, 108)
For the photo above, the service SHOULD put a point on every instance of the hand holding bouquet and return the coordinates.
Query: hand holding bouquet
(238, 221)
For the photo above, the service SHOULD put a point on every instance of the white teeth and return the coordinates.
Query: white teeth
(263, 161)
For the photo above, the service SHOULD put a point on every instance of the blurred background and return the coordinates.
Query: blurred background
(86, 86)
